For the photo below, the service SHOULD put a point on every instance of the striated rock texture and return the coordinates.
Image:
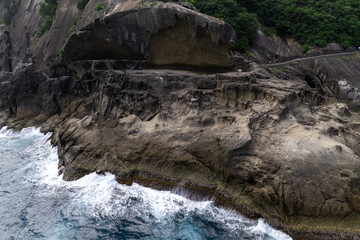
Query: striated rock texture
(341, 76)
(5, 46)
(280, 143)
(165, 34)
(26, 23)
(271, 148)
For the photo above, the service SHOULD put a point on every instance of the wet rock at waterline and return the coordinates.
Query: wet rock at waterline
(38, 203)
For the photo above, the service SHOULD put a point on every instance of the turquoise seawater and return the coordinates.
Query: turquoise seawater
(35, 203)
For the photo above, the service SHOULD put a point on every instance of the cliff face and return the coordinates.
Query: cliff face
(342, 80)
(155, 35)
(5, 46)
(275, 142)
(26, 23)
(270, 49)
(122, 30)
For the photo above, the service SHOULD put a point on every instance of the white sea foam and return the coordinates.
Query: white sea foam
(25, 133)
(100, 196)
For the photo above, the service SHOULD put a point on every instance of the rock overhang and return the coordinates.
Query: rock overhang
(166, 34)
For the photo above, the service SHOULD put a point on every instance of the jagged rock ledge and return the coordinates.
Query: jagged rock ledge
(246, 138)
(276, 144)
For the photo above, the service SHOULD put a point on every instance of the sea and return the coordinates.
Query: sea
(35, 203)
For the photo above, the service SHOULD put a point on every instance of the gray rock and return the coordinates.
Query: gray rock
(156, 34)
(5, 48)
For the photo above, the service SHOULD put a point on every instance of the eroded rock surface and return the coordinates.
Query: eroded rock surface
(5, 62)
(281, 144)
(165, 34)
(273, 48)
(271, 148)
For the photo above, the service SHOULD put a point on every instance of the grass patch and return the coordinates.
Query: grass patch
(250, 54)
(276, 70)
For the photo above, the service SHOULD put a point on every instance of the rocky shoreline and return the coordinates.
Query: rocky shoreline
(243, 138)
(276, 143)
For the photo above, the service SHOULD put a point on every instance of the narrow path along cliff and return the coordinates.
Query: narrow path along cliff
(347, 53)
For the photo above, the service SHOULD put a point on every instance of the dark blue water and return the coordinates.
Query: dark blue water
(35, 203)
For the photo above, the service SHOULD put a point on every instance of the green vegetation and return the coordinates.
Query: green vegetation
(315, 22)
(276, 70)
(312, 22)
(99, 7)
(305, 48)
(250, 54)
(270, 31)
(48, 10)
(46, 25)
(81, 4)
(232, 12)
(345, 59)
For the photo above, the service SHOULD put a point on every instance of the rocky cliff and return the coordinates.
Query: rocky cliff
(279, 143)
(271, 48)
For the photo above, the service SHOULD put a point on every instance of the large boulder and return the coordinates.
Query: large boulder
(162, 34)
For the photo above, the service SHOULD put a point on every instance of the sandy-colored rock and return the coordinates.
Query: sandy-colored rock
(265, 146)
(280, 144)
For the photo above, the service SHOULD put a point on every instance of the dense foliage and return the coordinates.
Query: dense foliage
(315, 22)
(312, 22)
(244, 23)
(48, 8)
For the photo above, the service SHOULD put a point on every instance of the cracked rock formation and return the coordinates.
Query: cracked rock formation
(277, 143)
(270, 148)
